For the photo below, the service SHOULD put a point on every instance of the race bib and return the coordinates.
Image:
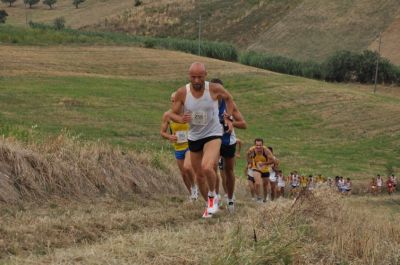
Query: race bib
(199, 118)
(181, 136)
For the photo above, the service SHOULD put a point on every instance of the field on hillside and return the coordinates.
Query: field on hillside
(301, 29)
(85, 177)
(118, 94)
(89, 12)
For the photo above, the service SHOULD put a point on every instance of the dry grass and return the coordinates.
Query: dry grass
(390, 42)
(109, 61)
(321, 228)
(90, 12)
(66, 168)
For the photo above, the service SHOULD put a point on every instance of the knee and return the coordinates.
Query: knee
(207, 169)
(187, 170)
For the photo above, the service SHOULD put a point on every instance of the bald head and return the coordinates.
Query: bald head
(197, 75)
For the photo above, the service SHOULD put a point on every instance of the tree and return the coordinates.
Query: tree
(31, 2)
(3, 15)
(138, 2)
(50, 3)
(8, 1)
(77, 2)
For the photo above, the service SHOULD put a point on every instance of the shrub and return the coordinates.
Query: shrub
(59, 23)
(341, 67)
(3, 16)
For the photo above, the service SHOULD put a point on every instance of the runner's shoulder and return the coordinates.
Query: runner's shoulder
(180, 93)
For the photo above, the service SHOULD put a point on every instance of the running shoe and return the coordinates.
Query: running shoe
(220, 201)
(195, 193)
(212, 206)
(206, 214)
(231, 207)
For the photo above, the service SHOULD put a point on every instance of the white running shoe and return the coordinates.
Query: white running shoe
(206, 214)
(195, 193)
(212, 206)
(220, 202)
(231, 207)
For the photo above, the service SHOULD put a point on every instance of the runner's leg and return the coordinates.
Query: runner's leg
(229, 164)
(209, 162)
(195, 159)
(185, 177)
(257, 184)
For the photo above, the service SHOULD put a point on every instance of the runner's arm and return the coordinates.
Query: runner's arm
(177, 105)
(238, 120)
(239, 147)
(219, 92)
(164, 128)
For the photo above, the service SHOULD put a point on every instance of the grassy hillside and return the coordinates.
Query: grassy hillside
(118, 94)
(300, 29)
(89, 12)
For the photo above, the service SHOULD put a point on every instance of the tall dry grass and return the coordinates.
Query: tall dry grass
(65, 167)
(322, 227)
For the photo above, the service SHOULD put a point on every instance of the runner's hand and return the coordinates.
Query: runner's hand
(230, 126)
(173, 138)
(187, 117)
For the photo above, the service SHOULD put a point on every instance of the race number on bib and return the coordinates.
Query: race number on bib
(199, 118)
(181, 136)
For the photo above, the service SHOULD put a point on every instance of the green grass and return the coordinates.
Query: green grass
(278, 108)
(42, 34)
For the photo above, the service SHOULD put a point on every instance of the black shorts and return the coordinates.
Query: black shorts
(263, 174)
(197, 146)
(251, 178)
(228, 151)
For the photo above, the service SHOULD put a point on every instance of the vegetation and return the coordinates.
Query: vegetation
(347, 66)
(76, 3)
(47, 34)
(59, 23)
(343, 66)
(50, 3)
(31, 2)
(9, 2)
(3, 16)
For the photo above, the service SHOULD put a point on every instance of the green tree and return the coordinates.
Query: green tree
(3, 16)
(31, 2)
(77, 2)
(9, 2)
(50, 3)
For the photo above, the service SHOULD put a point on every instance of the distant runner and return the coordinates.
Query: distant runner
(177, 135)
(199, 99)
(261, 158)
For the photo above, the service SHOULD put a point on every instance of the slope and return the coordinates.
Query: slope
(118, 94)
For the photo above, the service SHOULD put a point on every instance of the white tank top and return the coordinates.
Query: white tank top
(205, 120)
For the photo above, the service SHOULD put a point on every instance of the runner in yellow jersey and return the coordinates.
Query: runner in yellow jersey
(260, 158)
(178, 135)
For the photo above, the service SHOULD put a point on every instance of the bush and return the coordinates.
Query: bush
(341, 67)
(344, 66)
(282, 64)
(3, 16)
(59, 23)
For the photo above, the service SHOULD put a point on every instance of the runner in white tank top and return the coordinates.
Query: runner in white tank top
(200, 102)
(204, 110)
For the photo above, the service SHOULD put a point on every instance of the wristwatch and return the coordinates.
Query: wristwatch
(230, 117)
